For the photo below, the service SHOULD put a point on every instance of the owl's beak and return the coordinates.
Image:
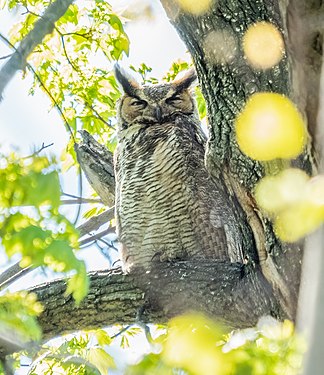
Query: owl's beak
(158, 114)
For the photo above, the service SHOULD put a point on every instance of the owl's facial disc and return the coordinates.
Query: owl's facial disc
(155, 104)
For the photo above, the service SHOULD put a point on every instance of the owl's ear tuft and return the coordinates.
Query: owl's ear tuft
(127, 82)
(186, 81)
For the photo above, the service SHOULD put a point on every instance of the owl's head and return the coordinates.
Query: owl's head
(154, 104)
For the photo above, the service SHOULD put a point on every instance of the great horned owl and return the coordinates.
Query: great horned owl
(167, 205)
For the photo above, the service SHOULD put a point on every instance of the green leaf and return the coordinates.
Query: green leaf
(102, 337)
(115, 23)
(71, 15)
(60, 256)
(101, 360)
(78, 284)
(41, 189)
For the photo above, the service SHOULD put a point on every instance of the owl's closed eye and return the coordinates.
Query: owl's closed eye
(156, 104)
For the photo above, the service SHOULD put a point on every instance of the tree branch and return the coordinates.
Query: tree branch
(97, 164)
(42, 27)
(228, 292)
(79, 201)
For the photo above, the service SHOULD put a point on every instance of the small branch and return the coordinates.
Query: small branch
(5, 57)
(13, 273)
(97, 236)
(80, 186)
(96, 222)
(98, 116)
(121, 331)
(43, 147)
(66, 54)
(44, 26)
(79, 201)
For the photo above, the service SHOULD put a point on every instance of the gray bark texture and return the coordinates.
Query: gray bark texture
(219, 289)
(235, 294)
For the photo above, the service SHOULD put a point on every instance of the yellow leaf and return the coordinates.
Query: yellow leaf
(101, 360)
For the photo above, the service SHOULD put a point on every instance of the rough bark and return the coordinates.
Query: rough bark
(226, 88)
(97, 163)
(228, 292)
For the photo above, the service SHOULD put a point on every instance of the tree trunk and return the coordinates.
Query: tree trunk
(226, 88)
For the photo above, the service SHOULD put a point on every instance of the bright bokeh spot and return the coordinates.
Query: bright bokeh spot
(220, 46)
(192, 345)
(315, 190)
(270, 127)
(294, 201)
(299, 220)
(263, 45)
(195, 7)
(274, 193)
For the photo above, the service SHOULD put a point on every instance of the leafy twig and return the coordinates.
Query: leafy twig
(121, 331)
(43, 26)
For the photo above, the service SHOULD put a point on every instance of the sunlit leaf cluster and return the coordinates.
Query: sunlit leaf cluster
(73, 65)
(30, 222)
(83, 353)
(195, 345)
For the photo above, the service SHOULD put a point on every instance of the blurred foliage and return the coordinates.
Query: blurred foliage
(18, 312)
(81, 354)
(294, 201)
(30, 222)
(271, 129)
(195, 345)
(32, 227)
(195, 7)
(263, 45)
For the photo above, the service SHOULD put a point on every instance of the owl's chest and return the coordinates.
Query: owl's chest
(163, 155)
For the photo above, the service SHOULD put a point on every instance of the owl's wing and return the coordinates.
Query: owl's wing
(226, 235)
